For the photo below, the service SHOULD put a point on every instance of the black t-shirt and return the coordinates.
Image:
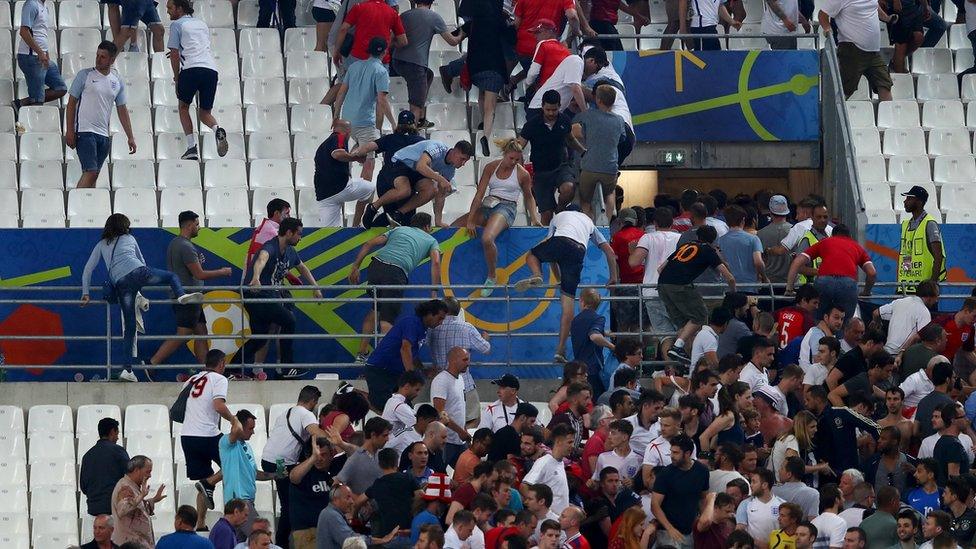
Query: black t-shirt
(389, 144)
(393, 493)
(688, 262)
(548, 144)
(505, 441)
(851, 363)
(599, 508)
(948, 450)
(487, 31)
(331, 175)
(309, 497)
(682, 492)
(964, 527)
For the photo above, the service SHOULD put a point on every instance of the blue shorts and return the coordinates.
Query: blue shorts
(92, 149)
(488, 81)
(38, 77)
(504, 209)
(134, 11)
(197, 79)
(568, 254)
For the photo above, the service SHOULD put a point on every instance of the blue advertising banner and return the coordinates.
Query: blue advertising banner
(722, 95)
(56, 257)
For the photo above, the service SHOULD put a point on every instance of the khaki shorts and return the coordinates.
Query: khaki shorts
(683, 303)
(365, 134)
(855, 62)
(304, 539)
(589, 181)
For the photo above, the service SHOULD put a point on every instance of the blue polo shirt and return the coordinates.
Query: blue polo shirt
(183, 539)
(240, 469)
(435, 149)
(409, 327)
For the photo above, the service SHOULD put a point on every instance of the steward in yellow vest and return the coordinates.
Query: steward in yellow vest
(922, 255)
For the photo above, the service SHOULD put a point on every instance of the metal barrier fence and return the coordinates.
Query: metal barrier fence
(769, 295)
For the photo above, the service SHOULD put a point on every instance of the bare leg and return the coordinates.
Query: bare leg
(322, 36)
(566, 193)
(568, 304)
(114, 18)
(898, 60)
(369, 328)
(688, 331)
(206, 118)
(358, 215)
(609, 202)
(400, 190)
(495, 225)
(157, 38)
(87, 180)
(185, 119)
(367, 172)
(534, 265)
(123, 36)
(425, 193)
(672, 28)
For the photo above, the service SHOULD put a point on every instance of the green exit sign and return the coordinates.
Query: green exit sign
(675, 157)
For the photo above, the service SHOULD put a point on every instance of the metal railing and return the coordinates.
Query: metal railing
(769, 296)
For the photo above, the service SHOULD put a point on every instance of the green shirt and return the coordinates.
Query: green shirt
(879, 529)
(406, 247)
(915, 358)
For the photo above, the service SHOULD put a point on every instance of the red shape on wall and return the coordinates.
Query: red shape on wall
(27, 320)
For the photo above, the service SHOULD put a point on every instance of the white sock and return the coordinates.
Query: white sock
(191, 140)
(679, 343)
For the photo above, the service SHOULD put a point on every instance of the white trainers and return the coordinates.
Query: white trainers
(195, 297)
(127, 375)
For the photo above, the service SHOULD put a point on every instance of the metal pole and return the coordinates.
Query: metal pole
(108, 341)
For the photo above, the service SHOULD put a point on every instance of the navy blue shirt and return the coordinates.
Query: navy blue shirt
(183, 539)
(549, 149)
(588, 322)
(389, 144)
(278, 264)
(331, 175)
(836, 438)
(410, 328)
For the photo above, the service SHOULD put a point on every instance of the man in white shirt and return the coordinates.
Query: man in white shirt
(195, 74)
(447, 396)
(398, 410)
(907, 316)
(425, 417)
(804, 223)
(706, 340)
(927, 448)
(288, 435)
(461, 534)
(646, 425)
(728, 456)
(37, 66)
(859, 44)
(206, 403)
(502, 412)
(830, 527)
(830, 324)
(89, 113)
(549, 469)
(789, 381)
(618, 454)
(759, 514)
(658, 451)
(828, 351)
(918, 385)
(653, 249)
(754, 373)
(537, 499)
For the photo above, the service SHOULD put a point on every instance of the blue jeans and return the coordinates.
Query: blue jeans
(38, 76)
(128, 286)
(839, 291)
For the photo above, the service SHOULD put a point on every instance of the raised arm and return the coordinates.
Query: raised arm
(375, 242)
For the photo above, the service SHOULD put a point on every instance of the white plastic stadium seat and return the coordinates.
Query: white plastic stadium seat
(958, 38)
(53, 418)
(170, 146)
(88, 207)
(178, 173)
(308, 209)
(228, 93)
(968, 91)
(13, 499)
(58, 523)
(955, 169)
(311, 118)
(88, 416)
(904, 187)
(41, 146)
(964, 60)
(42, 174)
(306, 144)
(957, 216)
(156, 444)
(903, 86)
(958, 197)
(265, 195)
(269, 145)
(78, 13)
(227, 65)
(943, 114)
(231, 119)
(898, 114)
(137, 90)
(52, 472)
(222, 39)
(247, 13)
(8, 176)
(949, 141)
(306, 64)
(260, 423)
(160, 68)
(270, 173)
(167, 120)
(11, 419)
(13, 446)
(164, 94)
(300, 40)
(264, 91)
(6, 119)
(147, 417)
(224, 172)
(262, 64)
(8, 146)
(871, 169)
(13, 473)
(132, 65)
(144, 148)
(235, 146)
(139, 116)
(931, 61)
(15, 523)
(54, 540)
(215, 13)
(128, 173)
(276, 411)
(80, 40)
(228, 207)
(266, 118)
(904, 141)
(937, 86)
(259, 40)
(907, 169)
(305, 91)
(139, 205)
(398, 90)
(305, 174)
(451, 116)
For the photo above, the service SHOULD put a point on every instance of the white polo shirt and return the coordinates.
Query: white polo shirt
(201, 420)
(706, 341)
(906, 316)
(96, 94)
(34, 15)
(191, 37)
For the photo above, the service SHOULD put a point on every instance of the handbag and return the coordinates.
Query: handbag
(345, 48)
(109, 292)
(177, 412)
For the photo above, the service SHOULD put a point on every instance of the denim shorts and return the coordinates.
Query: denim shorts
(38, 77)
(134, 11)
(504, 209)
(92, 149)
(488, 81)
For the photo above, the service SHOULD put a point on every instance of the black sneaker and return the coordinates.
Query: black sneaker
(292, 373)
(382, 220)
(369, 213)
(446, 79)
(207, 490)
(221, 136)
(425, 124)
(191, 154)
(484, 146)
(679, 355)
(397, 218)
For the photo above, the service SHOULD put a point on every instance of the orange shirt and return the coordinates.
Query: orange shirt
(464, 468)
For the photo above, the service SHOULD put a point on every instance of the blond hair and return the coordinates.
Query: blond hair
(508, 144)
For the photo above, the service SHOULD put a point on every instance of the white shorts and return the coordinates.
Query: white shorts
(568, 73)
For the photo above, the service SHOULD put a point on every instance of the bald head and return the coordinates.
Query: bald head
(341, 126)
(435, 436)
(458, 359)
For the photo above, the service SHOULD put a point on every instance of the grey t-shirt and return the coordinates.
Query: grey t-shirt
(932, 231)
(777, 266)
(421, 25)
(796, 492)
(601, 132)
(360, 471)
(179, 254)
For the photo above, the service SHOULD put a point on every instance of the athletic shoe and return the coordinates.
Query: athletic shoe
(190, 154)
(369, 213)
(194, 297)
(361, 358)
(526, 283)
(678, 354)
(446, 79)
(484, 146)
(489, 287)
(292, 373)
(207, 490)
(221, 136)
(127, 375)
(425, 124)
(559, 358)
(397, 219)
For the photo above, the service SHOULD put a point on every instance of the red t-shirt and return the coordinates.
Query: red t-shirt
(957, 337)
(530, 11)
(549, 53)
(605, 10)
(793, 322)
(621, 244)
(578, 542)
(595, 446)
(841, 256)
(465, 494)
(372, 18)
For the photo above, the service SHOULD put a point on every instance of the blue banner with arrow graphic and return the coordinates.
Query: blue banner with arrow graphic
(723, 95)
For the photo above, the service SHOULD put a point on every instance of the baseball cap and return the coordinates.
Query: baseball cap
(507, 380)
(918, 192)
(377, 45)
(438, 488)
(543, 24)
(778, 205)
(628, 215)
(406, 117)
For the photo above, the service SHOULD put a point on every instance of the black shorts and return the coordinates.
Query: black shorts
(399, 169)
(384, 274)
(909, 23)
(323, 15)
(568, 254)
(201, 453)
(544, 185)
(189, 316)
(197, 80)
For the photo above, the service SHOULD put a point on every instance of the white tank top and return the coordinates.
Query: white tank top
(505, 189)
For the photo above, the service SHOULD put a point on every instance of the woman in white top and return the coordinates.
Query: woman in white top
(496, 202)
(798, 441)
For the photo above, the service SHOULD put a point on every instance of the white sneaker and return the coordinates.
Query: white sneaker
(195, 297)
(127, 375)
